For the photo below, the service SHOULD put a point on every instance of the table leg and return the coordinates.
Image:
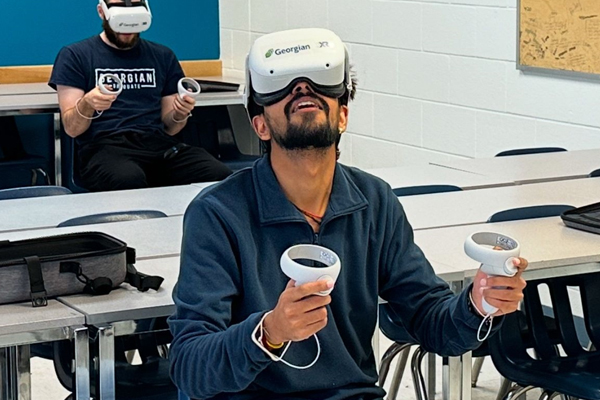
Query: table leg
(5, 377)
(454, 379)
(431, 375)
(453, 369)
(82, 363)
(106, 363)
(11, 373)
(57, 151)
(467, 363)
(23, 373)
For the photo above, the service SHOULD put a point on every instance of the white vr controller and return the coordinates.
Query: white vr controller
(303, 274)
(112, 80)
(188, 87)
(480, 247)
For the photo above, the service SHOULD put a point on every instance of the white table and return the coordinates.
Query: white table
(476, 206)
(22, 325)
(48, 212)
(427, 174)
(531, 167)
(151, 238)
(551, 248)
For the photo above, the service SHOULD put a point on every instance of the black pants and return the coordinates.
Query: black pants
(134, 160)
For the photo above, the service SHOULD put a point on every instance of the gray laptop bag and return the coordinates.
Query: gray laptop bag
(87, 262)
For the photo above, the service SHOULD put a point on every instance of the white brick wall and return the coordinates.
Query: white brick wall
(437, 78)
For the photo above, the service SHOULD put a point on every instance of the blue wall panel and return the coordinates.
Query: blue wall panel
(34, 31)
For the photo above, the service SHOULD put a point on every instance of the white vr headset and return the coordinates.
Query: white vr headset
(277, 61)
(127, 16)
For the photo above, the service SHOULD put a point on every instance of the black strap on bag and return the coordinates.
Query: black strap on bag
(38, 293)
(138, 280)
(103, 285)
(96, 287)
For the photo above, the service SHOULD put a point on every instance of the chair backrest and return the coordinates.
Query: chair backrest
(541, 211)
(424, 189)
(33, 191)
(530, 150)
(595, 173)
(211, 128)
(11, 146)
(113, 217)
(70, 163)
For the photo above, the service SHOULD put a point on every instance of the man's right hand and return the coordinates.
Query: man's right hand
(299, 313)
(97, 100)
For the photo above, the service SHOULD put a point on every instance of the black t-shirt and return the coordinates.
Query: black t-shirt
(149, 72)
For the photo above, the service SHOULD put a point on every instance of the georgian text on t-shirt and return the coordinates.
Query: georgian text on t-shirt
(138, 78)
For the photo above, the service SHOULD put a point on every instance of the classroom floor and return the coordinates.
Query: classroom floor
(45, 386)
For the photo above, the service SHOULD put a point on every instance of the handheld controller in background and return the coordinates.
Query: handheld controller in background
(480, 247)
(303, 274)
(112, 80)
(188, 87)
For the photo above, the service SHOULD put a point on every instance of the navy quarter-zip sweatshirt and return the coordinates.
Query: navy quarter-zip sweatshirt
(233, 236)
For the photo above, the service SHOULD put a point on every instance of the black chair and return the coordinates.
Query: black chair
(569, 370)
(210, 128)
(15, 163)
(540, 211)
(33, 191)
(70, 164)
(530, 150)
(391, 326)
(148, 380)
(595, 173)
(112, 217)
(425, 189)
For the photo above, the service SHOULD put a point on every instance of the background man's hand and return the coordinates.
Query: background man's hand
(299, 313)
(183, 108)
(98, 100)
(503, 292)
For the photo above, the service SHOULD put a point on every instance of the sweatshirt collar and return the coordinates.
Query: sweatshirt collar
(274, 207)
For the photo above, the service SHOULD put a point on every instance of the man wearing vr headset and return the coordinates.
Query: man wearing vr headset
(124, 137)
(235, 309)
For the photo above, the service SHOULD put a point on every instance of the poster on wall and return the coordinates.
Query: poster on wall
(560, 36)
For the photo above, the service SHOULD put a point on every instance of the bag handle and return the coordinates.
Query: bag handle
(140, 281)
(39, 297)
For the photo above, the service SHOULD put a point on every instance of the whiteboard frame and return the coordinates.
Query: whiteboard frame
(560, 73)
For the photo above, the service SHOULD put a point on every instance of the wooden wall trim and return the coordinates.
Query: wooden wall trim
(41, 73)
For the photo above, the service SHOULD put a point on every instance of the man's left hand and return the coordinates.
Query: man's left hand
(503, 292)
(183, 108)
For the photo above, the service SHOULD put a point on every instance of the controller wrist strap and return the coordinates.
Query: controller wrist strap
(257, 338)
(487, 320)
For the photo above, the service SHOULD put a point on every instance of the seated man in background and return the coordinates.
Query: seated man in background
(242, 329)
(125, 140)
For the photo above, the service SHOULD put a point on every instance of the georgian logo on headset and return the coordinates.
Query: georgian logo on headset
(278, 60)
(127, 16)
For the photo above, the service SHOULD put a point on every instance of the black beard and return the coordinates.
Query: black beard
(113, 37)
(306, 136)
